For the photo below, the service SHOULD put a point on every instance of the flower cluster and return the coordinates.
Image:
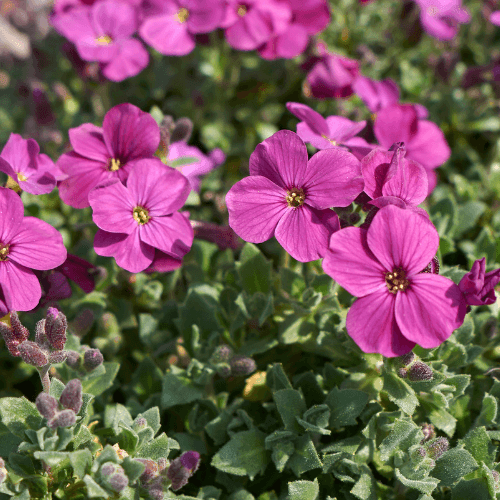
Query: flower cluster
(104, 30)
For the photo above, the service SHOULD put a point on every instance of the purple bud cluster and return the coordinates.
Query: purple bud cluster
(113, 477)
(437, 447)
(90, 360)
(61, 413)
(413, 369)
(228, 364)
(159, 476)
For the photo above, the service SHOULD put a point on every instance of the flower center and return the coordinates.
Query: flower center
(141, 215)
(433, 11)
(103, 40)
(4, 251)
(114, 164)
(331, 141)
(396, 281)
(182, 15)
(242, 10)
(21, 177)
(295, 197)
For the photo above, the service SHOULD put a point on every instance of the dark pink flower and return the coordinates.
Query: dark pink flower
(21, 159)
(398, 306)
(331, 75)
(137, 219)
(334, 131)
(289, 196)
(478, 286)
(424, 140)
(103, 32)
(127, 135)
(495, 17)
(440, 18)
(251, 23)
(172, 27)
(26, 243)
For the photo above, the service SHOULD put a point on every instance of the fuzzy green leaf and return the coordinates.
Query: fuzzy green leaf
(303, 490)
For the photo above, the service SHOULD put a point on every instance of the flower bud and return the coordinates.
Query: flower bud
(222, 353)
(428, 431)
(40, 337)
(55, 328)
(162, 464)
(150, 471)
(73, 359)
(14, 334)
(420, 371)
(178, 474)
(156, 489)
(182, 130)
(139, 423)
(71, 397)
(403, 372)
(32, 354)
(65, 418)
(242, 365)
(92, 359)
(107, 469)
(190, 460)
(46, 405)
(437, 447)
(118, 482)
(406, 359)
(57, 356)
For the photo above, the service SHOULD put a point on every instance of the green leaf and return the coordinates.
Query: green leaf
(290, 405)
(400, 393)
(152, 417)
(316, 419)
(133, 468)
(19, 414)
(81, 461)
(453, 465)
(403, 434)
(244, 454)
(303, 490)
(443, 420)
(345, 406)
(52, 458)
(93, 489)
(489, 409)
(427, 485)
(276, 378)
(476, 489)
(478, 443)
(364, 489)
(254, 270)
(97, 385)
(158, 448)
(22, 465)
(179, 389)
(116, 414)
(241, 495)
(305, 457)
(468, 216)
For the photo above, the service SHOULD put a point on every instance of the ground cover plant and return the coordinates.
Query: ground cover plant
(249, 249)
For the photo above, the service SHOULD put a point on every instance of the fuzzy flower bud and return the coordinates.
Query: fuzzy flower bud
(162, 464)
(71, 397)
(40, 337)
(55, 328)
(428, 431)
(118, 482)
(139, 423)
(420, 371)
(15, 334)
(437, 447)
(178, 474)
(182, 130)
(107, 469)
(190, 460)
(150, 471)
(406, 359)
(156, 489)
(73, 359)
(65, 418)
(46, 405)
(222, 353)
(57, 356)
(242, 365)
(32, 354)
(92, 359)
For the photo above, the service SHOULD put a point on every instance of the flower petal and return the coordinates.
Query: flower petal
(11, 214)
(375, 167)
(255, 206)
(282, 159)
(430, 309)
(163, 263)
(312, 118)
(395, 123)
(38, 183)
(402, 238)
(308, 135)
(21, 154)
(87, 140)
(333, 179)
(372, 325)
(352, 265)
(116, 20)
(20, 287)
(304, 232)
(428, 146)
(342, 129)
(130, 59)
(37, 245)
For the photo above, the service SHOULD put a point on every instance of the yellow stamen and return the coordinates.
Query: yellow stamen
(103, 40)
(4, 251)
(114, 165)
(21, 177)
(141, 215)
(242, 11)
(182, 15)
(295, 197)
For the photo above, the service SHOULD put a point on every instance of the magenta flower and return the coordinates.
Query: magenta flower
(424, 140)
(495, 17)
(26, 243)
(440, 18)
(391, 179)
(127, 135)
(137, 219)
(308, 18)
(103, 32)
(172, 24)
(250, 23)
(198, 164)
(331, 75)
(289, 196)
(398, 306)
(334, 131)
(21, 159)
(478, 286)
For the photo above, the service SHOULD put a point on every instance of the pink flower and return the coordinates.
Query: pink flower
(398, 306)
(103, 32)
(289, 196)
(478, 286)
(334, 131)
(440, 18)
(331, 75)
(137, 219)
(26, 243)
(20, 159)
(172, 27)
(424, 140)
(127, 135)
(495, 17)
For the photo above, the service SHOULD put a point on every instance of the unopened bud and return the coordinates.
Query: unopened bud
(406, 359)
(32, 354)
(437, 447)
(55, 328)
(65, 418)
(139, 423)
(242, 365)
(156, 489)
(107, 469)
(420, 371)
(73, 359)
(19, 331)
(162, 464)
(82, 323)
(117, 482)
(14, 334)
(150, 471)
(182, 130)
(178, 474)
(57, 356)
(222, 353)
(496, 476)
(71, 397)
(46, 405)
(190, 460)
(403, 372)
(40, 337)
(92, 359)
(428, 431)
(224, 370)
